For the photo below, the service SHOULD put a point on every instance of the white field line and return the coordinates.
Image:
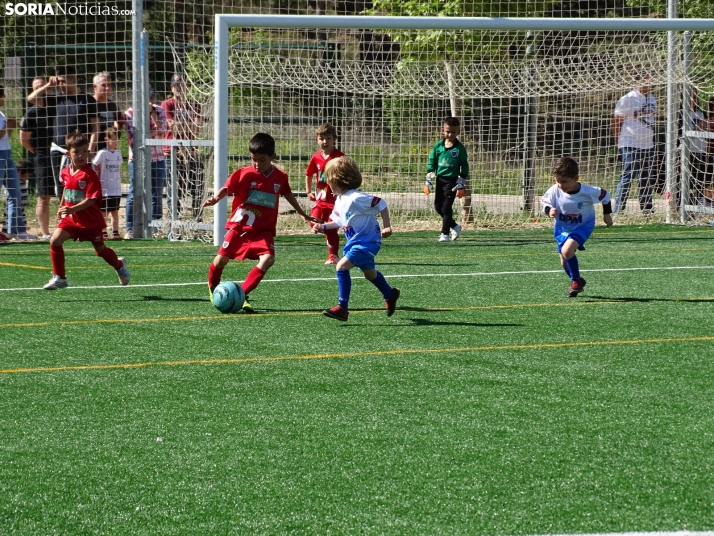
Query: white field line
(392, 276)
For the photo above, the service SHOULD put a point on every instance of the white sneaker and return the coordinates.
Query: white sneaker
(46, 238)
(443, 238)
(123, 272)
(55, 283)
(21, 237)
(455, 232)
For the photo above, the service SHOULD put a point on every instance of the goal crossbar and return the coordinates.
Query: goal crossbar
(224, 22)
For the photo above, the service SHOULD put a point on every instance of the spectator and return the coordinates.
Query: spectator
(68, 111)
(9, 177)
(35, 136)
(184, 121)
(24, 170)
(106, 110)
(633, 127)
(159, 128)
(697, 150)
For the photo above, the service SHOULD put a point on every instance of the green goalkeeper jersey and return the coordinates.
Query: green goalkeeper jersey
(448, 163)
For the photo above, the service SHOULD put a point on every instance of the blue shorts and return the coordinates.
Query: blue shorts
(362, 256)
(580, 236)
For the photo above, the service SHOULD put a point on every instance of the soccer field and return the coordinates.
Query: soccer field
(488, 404)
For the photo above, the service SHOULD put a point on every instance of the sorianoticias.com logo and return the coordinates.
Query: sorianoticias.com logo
(23, 10)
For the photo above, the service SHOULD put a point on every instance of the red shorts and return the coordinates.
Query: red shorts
(247, 244)
(80, 233)
(321, 211)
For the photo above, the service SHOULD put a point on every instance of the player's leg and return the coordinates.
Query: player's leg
(110, 257)
(344, 285)
(255, 276)
(629, 163)
(332, 236)
(215, 270)
(447, 212)
(389, 293)
(568, 251)
(59, 277)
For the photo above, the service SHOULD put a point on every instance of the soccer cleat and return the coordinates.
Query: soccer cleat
(576, 287)
(444, 238)
(391, 303)
(210, 293)
(337, 312)
(455, 232)
(55, 283)
(332, 259)
(123, 272)
(247, 307)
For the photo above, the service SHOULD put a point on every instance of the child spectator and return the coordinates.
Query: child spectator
(24, 170)
(324, 198)
(355, 212)
(448, 164)
(10, 179)
(254, 214)
(107, 165)
(79, 215)
(570, 203)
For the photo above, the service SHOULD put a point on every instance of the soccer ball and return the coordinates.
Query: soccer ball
(228, 297)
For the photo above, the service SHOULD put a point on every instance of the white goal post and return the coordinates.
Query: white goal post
(222, 45)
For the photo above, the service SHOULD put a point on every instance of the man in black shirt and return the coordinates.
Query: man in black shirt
(106, 110)
(35, 136)
(68, 111)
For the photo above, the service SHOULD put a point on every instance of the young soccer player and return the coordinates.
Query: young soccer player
(79, 215)
(251, 227)
(448, 164)
(24, 170)
(107, 164)
(356, 212)
(570, 203)
(324, 199)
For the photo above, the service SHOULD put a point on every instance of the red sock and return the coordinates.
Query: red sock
(254, 278)
(214, 275)
(57, 256)
(333, 241)
(109, 257)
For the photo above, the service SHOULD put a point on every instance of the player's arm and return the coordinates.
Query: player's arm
(290, 198)
(308, 188)
(64, 210)
(387, 224)
(606, 207)
(220, 194)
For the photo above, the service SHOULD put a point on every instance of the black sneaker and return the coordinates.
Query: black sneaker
(391, 303)
(576, 287)
(337, 312)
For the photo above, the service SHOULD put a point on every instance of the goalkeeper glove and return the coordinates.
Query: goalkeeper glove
(460, 187)
(429, 184)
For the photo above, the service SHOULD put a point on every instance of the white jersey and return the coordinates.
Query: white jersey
(575, 211)
(108, 164)
(356, 212)
(639, 112)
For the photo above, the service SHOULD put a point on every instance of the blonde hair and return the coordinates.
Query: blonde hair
(343, 173)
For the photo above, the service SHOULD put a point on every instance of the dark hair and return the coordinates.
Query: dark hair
(326, 129)
(566, 167)
(24, 166)
(262, 144)
(76, 139)
(2, 91)
(65, 70)
(344, 173)
(453, 122)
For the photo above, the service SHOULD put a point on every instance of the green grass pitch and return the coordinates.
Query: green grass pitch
(488, 404)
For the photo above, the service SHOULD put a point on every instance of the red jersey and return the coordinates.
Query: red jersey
(256, 196)
(317, 164)
(83, 185)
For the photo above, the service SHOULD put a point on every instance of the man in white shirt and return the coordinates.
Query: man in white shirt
(633, 127)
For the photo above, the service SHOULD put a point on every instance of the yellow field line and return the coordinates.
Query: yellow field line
(288, 313)
(360, 354)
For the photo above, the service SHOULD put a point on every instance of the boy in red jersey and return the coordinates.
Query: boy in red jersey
(79, 214)
(324, 198)
(254, 214)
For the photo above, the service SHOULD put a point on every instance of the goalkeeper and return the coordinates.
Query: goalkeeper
(447, 164)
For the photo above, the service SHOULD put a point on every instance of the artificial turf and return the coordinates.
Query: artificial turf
(488, 404)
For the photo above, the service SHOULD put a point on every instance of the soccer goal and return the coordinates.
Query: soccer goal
(527, 91)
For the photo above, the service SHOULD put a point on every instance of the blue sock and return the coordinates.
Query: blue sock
(566, 270)
(382, 285)
(344, 282)
(572, 263)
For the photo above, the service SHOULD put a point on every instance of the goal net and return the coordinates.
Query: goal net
(524, 98)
